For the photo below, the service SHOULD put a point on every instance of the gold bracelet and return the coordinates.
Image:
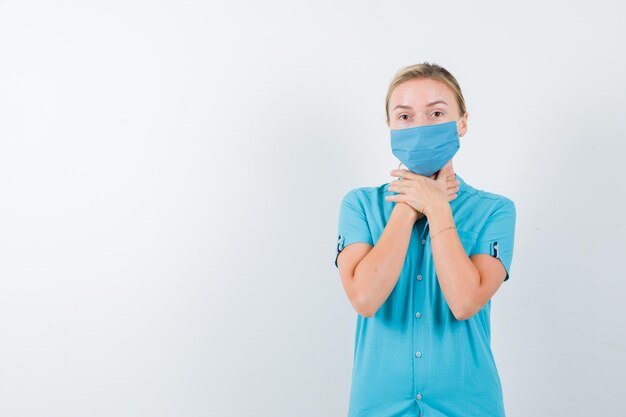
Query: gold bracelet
(439, 232)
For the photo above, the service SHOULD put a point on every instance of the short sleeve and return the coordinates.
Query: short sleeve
(497, 235)
(353, 226)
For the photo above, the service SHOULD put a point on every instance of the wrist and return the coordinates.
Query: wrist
(436, 209)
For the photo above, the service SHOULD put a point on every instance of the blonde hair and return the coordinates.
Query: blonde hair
(426, 70)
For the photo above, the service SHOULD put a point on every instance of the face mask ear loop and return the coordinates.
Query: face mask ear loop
(457, 124)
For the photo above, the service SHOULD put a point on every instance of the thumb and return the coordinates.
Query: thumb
(445, 172)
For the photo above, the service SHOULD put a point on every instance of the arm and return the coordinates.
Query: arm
(369, 273)
(466, 282)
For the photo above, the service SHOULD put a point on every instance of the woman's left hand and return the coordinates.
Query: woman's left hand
(421, 192)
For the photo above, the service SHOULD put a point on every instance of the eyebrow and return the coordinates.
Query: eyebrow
(401, 106)
(436, 102)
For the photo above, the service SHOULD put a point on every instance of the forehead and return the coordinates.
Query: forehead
(419, 92)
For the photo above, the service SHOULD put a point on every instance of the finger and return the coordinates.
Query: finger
(404, 173)
(454, 184)
(398, 187)
(398, 198)
(447, 170)
(446, 173)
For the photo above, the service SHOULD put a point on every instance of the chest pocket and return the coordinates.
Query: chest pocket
(468, 239)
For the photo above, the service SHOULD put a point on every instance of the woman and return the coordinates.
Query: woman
(421, 257)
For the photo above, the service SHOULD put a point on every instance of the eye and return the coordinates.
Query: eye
(435, 112)
(400, 117)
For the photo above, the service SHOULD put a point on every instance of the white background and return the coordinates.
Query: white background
(170, 180)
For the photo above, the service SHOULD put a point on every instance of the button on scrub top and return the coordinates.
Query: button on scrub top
(413, 356)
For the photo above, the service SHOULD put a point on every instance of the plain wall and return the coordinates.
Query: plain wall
(170, 181)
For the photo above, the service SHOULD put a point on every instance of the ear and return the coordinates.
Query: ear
(463, 125)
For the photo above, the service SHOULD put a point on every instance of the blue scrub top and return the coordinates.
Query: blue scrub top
(413, 355)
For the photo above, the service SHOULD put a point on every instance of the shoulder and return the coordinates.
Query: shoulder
(489, 199)
(366, 195)
(482, 208)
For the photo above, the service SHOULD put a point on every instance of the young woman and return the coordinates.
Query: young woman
(421, 257)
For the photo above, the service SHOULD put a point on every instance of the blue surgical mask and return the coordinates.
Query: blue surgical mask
(425, 149)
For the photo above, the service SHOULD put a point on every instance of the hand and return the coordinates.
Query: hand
(421, 192)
